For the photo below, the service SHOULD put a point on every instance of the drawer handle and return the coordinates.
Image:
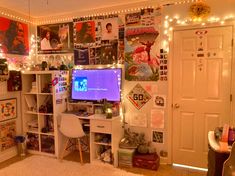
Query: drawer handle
(100, 126)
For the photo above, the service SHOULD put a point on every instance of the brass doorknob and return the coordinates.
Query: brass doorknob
(176, 106)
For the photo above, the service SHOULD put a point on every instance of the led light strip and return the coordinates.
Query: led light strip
(190, 167)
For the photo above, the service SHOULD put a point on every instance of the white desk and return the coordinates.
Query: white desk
(99, 124)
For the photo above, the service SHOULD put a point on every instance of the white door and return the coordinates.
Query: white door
(201, 90)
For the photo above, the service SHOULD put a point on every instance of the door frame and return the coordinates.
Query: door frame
(170, 81)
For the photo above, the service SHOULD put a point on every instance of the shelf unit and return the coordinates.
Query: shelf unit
(109, 132)
(44, 98)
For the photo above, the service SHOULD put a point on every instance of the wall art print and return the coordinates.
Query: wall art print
(7, 134)
(14, 37)
(158, 137)
(55, 38)
(138, 96)
(141, 57)
(8, 109)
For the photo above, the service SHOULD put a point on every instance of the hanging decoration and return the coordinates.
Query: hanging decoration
(199, 10)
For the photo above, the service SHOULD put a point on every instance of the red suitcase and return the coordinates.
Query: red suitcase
(146, 161)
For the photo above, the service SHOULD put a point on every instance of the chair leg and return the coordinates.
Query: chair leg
(65, 147)
(80, 151)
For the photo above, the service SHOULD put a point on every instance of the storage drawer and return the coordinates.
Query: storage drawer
(101, 126)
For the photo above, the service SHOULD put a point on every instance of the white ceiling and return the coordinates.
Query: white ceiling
(42, 8)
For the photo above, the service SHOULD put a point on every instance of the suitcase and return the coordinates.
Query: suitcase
(146, 161)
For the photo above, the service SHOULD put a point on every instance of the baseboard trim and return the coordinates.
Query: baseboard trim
(7, 154)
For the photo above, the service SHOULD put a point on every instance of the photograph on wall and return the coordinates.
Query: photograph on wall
(7, 134)
(157, 136)
(14, 37)
(109, 51)
(55, 38)
(8, 109)
(133, 19)
(85, 34)
(141, 58)
(138, 96)
(138, 120)
(109, 29)
(159, 101)
(157, 118)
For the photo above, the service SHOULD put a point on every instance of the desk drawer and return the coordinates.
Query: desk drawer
(100, 126)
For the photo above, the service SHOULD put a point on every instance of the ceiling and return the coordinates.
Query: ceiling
(42, 8)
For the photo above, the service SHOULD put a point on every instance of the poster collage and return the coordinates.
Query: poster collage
(8, 113)
(98, 40)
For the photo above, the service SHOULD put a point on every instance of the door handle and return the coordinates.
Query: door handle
(176, 106)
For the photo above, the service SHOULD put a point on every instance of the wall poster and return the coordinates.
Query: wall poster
(138, 96)
(138, 120)
(141, 58)
(14, 37)
(55, 38)
(8, 109)
(7, 134)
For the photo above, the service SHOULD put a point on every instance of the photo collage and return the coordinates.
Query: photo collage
(98, 40)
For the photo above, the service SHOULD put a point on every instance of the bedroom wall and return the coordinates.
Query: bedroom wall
(220, 9)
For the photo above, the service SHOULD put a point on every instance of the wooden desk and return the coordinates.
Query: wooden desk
(100, 125)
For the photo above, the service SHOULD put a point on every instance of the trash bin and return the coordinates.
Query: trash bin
(21, 146)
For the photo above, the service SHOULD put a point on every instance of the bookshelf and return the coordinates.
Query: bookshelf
(44, 95)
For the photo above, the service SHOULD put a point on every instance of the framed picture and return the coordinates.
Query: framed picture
(14, 37)
(55, 38)
(8, 109)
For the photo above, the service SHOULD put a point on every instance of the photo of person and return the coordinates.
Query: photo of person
(85, 32)
(13, 37)
(55, 38)
(45, 42)
(109, 29)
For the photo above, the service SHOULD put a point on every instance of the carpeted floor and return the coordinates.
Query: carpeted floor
(47, 166)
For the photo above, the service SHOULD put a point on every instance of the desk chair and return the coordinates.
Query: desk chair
(229, 164)
(71, 127)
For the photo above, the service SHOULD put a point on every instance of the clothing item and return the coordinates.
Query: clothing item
(45, 44)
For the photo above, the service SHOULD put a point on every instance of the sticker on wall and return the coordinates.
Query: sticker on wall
(138, 96)
(159, 101)
(157, 136)
(138, 120)
(7, 135)
(8, 109)
(157, 118)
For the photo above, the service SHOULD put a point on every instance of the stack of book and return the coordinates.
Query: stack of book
(34, 87)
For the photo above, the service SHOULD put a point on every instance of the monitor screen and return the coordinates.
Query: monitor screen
(96, 84)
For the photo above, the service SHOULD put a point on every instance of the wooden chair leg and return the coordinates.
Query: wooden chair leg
(80, 151)
(63, 152)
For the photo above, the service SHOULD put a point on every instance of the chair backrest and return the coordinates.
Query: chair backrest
(229, 164)
(71, 126)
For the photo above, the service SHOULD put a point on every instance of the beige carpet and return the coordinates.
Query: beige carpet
(47, 166)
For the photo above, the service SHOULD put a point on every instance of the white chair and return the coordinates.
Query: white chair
(71, 127)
